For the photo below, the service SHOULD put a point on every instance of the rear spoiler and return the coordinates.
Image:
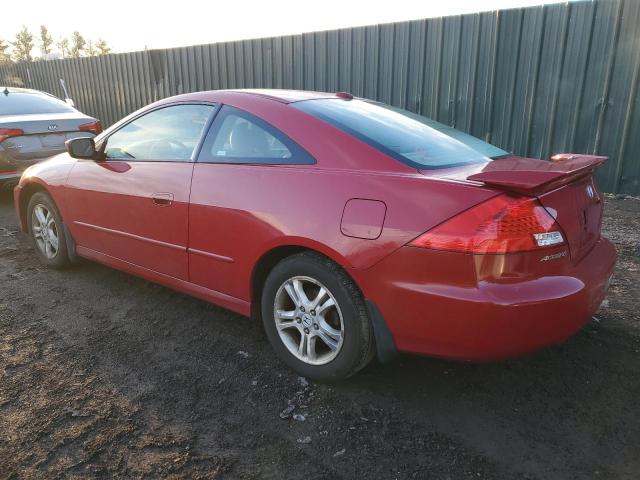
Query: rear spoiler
(532, 176)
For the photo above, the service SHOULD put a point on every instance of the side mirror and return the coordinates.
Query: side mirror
(83, 148)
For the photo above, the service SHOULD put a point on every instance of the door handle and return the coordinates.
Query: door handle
(162, 199)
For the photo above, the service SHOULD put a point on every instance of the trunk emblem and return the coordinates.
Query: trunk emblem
(546, 258)
(53, 127)
(590, 192)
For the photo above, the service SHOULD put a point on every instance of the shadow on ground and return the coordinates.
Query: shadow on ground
(103, 374)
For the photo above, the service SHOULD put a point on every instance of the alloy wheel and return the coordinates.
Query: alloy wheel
(308, 320)
(44, 230)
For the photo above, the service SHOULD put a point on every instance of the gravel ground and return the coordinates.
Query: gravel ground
(104, 375)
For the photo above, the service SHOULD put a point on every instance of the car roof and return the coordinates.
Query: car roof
(281, 96)
(285, 96)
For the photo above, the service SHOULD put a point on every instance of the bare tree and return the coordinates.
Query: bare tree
(4, 55)
(102, 47)
(77, 44)
(46, 41)
(23, 45)
(63, 46)
(91, 50)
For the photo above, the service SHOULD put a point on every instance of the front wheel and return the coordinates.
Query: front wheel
(316, 319)
(46, 231)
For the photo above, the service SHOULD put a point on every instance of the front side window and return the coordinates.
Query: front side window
(413, 139)
(168, 134)
(240, 137)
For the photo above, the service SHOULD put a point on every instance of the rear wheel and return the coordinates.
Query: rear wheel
(46, 231)
(315, 318)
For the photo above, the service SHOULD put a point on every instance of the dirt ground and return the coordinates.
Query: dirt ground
(104, 375)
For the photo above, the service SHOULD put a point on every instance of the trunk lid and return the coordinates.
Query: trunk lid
(564, 186)
(40, 122)
(44, 134)
(577, 207)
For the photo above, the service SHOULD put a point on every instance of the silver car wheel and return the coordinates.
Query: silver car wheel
(44, 230)
(308, 320)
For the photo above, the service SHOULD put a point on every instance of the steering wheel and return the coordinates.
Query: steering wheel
(183, 150)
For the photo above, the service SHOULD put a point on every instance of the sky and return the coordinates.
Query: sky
(129, 25)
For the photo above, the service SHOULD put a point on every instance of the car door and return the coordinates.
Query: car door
(236, 183)
(133, 205)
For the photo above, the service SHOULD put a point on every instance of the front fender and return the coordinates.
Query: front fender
(49, 176)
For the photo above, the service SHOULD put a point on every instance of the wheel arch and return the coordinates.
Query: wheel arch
(384, 343)
(26, 192)
(277, 253)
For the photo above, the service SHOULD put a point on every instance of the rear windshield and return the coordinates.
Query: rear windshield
(29, 103)
(411, 138)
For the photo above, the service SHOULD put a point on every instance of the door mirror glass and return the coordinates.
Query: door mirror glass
(83, 147)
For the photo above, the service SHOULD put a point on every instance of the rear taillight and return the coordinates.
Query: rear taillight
(93, 127)
(501, 225)
(10, 132)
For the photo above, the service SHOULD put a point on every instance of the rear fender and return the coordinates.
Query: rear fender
(306, 243)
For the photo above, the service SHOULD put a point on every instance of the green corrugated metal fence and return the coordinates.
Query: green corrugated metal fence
(535, 81)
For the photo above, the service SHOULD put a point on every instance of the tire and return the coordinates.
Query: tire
(355, 344)
(43, 211)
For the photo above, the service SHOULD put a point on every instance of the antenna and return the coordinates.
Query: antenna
(67, 98)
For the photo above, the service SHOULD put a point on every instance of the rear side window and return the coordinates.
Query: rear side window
(414, 140)
(237, 136)
(18, 103)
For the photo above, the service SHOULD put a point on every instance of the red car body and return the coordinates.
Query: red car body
(213, 231)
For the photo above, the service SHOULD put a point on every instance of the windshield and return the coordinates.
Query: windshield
(411, 138)
(16, 103)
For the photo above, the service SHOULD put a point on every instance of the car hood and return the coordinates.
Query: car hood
(49, 165)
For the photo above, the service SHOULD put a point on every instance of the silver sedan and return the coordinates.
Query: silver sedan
(35, 125)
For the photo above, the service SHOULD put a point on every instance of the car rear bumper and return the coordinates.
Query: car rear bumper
(485, 307)
(9, 162)
(10, 170)
(9, 179)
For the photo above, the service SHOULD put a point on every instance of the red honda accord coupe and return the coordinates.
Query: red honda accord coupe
(352, 228)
